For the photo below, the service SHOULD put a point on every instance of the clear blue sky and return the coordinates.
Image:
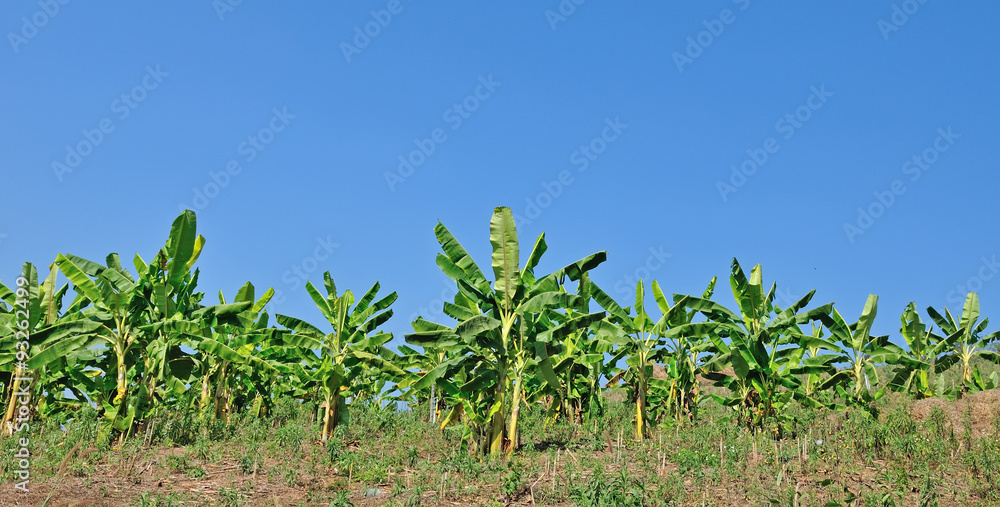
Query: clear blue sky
(507, 100)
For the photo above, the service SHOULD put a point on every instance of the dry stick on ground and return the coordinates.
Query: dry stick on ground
(148, 440)
(619, 456)
(572, 456)
(531, 489)
(555, 466)
(148, 466)
(443, 479)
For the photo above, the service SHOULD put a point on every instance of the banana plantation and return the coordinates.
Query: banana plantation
(135, 341)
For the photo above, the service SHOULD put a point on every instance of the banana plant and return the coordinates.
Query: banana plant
(131, 316)
(912, 374)
(17, 308)
(341, 351)
(376, 381)
(965, 339)
(641, 341)
(862, 353)
(765, 365)
(416, 364)
(168, 285)
(65, 373)
(579, 363)
(20, 318)
(818, 362)
(502, 330)
(114, 315)
(687, 343)
(232, 351)
(441, 372)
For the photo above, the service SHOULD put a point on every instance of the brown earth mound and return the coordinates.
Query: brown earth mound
(983, 408)
(729, 372)
(659, 372)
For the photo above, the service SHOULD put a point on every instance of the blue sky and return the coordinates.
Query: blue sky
(610, 126)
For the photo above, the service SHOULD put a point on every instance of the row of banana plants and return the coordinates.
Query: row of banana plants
(136, 345)
(532, 337)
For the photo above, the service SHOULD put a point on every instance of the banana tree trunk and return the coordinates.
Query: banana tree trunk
(495, 433)
(122, 386)
(327, 416)
(433, 406)
(640, 409)
(150, 381)
(8, 418)
(515, 409)
(219, 387)
(966, 371)
(859, 379)
(567, 402)
(330, 414)
(205, 390)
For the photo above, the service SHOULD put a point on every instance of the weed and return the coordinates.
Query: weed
(938, 422)
(412, 454)
(512, 483)
(291, 476)
(342, 499)
(334, 446)
(230, 497)
(290, 438)
(248, 462)
(176, 463)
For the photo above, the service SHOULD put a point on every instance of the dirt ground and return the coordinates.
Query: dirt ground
(79, 492)
(982, 407)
